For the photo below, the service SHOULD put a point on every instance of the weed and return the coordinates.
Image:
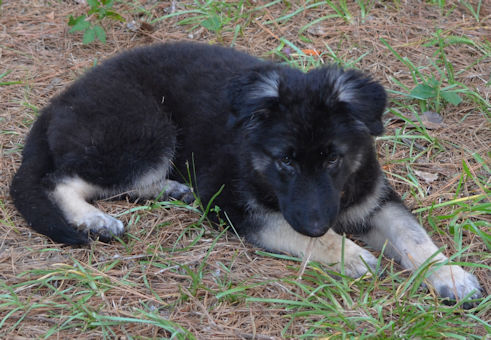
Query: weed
(91, 23)
(214, 16)
(341, 9)
(475, 12)
(440, 3)
(430, 90)
(343, 12)
(309, 4)
(4, 83)
(307, 59)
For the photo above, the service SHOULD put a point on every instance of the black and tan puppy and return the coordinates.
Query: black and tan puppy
(293, 150)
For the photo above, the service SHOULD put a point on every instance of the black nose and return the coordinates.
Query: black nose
(316, 223)
(316, 229)
(313, 224)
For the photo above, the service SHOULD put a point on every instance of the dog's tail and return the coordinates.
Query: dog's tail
(30, 191)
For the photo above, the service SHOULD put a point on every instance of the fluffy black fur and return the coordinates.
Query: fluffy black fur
(206, 105)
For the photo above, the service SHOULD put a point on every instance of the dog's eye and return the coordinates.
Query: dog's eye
(332, 158)
(285, 165)
(286, 160)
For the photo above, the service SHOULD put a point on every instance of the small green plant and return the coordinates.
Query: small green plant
(296, 57)
(306, 59)
(365, 7)
(474, 11)
(342, 10)
(308, 5)
(440, 3)
(429, 88)
(215, 16)
(4, 83)
(90, 23)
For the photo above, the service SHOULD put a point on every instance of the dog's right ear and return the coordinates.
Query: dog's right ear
(364, 98)
(252, 94)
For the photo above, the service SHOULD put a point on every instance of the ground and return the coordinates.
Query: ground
(172, 275)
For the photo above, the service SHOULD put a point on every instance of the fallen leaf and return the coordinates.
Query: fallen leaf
(431, 120)
(145, 26)
(132, 26)
(317, 30)
(428, 177)
(311, 52)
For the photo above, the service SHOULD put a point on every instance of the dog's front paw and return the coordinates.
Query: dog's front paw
(453, 283)
(100, 225)
(356, 261)
(329, 250)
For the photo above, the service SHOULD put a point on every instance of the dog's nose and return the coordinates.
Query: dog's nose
(313, 227)
(317, 223)
(317, 228)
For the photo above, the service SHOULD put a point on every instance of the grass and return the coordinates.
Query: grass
(68, 289)
(475, 11)
(374, 308)
(171, 275)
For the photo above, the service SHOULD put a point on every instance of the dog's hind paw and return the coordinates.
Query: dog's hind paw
(179, 191)
(453, 284)
(101, 226)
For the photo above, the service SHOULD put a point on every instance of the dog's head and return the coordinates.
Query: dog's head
(305, 135)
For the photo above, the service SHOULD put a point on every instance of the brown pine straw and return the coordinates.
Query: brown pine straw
(43, 58)
(306, 257)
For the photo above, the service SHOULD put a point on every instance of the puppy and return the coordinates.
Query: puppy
(293, 151)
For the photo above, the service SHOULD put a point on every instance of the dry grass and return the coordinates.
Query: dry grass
(170, 273)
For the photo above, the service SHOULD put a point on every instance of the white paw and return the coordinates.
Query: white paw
(100, 225)
(454, 283)
(356, 262)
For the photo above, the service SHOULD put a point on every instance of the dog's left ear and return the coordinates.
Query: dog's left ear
(364, 98)
(253, 94)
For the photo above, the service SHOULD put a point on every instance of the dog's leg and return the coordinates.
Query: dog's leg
(408, 243)
(154, 183)
(164, 189)
(71, 195)
(278, 236)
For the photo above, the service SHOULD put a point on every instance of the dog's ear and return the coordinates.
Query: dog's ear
(253, 94)
(364, 98)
